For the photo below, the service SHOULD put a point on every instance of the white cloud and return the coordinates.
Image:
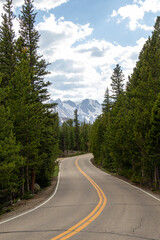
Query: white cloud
(135, 13)
(145, 27)
(72, 32)
(39, 4)
(150, 5)
(81, 68)
(49, 4)
(130, 11)
(76, 61)
(58, 36)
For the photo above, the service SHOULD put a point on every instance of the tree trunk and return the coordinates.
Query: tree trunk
(133, 165)
(27, 179)
(156, 177)
(22, 176)
(33, 179)
(11, 194)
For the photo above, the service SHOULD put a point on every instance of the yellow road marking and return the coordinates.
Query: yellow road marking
(91, 217)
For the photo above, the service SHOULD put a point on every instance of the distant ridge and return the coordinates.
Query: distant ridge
(88, 109)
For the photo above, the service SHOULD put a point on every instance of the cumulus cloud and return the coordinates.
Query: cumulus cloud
(80, 67)
(62, 29)
(58, 36)
(135, 13)
(43, 5)
(38, 4)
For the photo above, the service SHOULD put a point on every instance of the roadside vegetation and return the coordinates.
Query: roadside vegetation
(74, 136)
(125, 139)
(29, 136)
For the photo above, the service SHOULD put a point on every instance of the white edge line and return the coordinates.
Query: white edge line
(55, 191)
(158, 199)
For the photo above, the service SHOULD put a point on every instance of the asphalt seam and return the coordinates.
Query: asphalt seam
(100, 232)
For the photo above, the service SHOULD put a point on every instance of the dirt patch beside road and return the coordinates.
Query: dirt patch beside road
(25, 205)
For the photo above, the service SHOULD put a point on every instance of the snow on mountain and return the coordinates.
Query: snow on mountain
(88, 110)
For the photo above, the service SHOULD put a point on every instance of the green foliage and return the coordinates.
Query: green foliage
(76, 129)
(7, 53)
(49, 148)
(56, 171)
(10, 159)
(30, 36)
(26, 112)
(106, 105)
(128, 142)
(29, 136)
(97, 138)
(117, 82)
(68, 133)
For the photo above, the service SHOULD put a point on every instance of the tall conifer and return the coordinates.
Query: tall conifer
(117, 82)
(30, 35)
(106, 105)
(10, 160)
(27, 116)
(76, 129)
(7, 56)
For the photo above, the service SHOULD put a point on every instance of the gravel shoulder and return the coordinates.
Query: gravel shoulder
(25, 205)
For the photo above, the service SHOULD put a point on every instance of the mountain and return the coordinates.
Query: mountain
(88, 110)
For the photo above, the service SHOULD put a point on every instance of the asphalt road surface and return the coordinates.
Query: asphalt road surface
(89, 205)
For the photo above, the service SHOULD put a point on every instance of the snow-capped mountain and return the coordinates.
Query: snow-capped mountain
(88, 110)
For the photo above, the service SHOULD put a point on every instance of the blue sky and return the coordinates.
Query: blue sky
(85, 39)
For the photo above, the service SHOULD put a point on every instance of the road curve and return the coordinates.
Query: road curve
(89, 204)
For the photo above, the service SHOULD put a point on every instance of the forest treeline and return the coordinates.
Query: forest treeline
(74, 136)
(29, 135)
(31, 138)
(125, 139)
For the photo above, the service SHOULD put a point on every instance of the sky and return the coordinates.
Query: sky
(83, 40)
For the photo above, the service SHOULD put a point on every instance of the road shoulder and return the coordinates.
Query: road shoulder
(25, 205)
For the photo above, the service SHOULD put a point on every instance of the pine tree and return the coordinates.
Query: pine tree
(66, 139)
(7, 53)
(84, 137)
(143, 91)
(117, 82)
(76, 127)
(97, 146)
(106, 105)
(29, 38)
(27, 114)
(37, 65)
(10, 160)
(71, 134)
(48, 149)
(131, 139)
(153, 142)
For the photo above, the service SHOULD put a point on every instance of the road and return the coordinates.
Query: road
(89, 205)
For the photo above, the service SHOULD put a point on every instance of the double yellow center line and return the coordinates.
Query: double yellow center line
(92, 216)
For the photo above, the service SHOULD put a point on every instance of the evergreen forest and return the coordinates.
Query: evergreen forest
(74, 136)
(29, 136)
(124, 139)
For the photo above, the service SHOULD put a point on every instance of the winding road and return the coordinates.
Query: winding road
(88, 205)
